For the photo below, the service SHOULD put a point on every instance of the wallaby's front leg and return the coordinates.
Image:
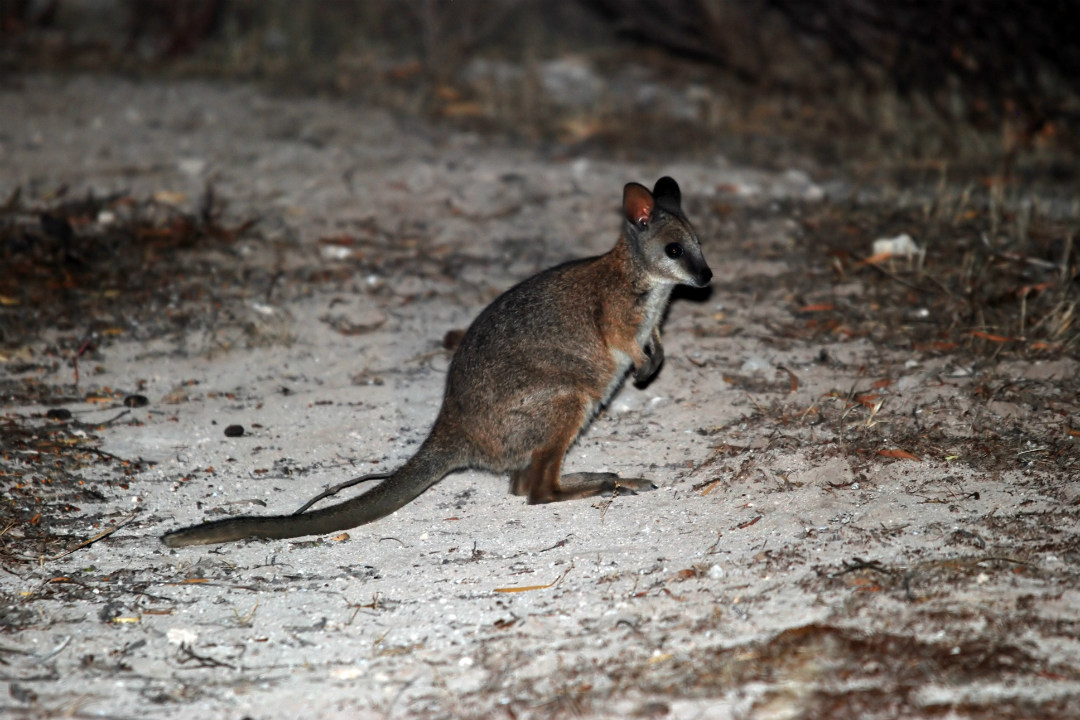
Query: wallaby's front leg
(654, 357)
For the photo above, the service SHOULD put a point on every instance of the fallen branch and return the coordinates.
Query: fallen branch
(97, 537)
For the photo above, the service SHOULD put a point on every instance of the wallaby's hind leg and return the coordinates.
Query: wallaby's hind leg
(579, 485)
(587, 484)
(519, 482)
(542, 480)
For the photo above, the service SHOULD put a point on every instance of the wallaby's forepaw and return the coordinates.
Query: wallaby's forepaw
(654, 358)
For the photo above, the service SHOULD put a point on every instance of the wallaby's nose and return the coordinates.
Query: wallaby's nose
(704, 276)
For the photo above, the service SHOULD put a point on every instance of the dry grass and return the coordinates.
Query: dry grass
(773, 87)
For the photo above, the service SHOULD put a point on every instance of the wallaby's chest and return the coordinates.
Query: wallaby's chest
(651, 308)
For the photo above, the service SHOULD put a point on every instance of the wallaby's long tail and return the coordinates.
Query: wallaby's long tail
(423, 470)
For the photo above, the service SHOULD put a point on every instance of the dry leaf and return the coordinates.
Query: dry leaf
(899, 454)
(991, 337)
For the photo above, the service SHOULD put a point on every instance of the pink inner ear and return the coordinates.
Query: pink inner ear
(637, 203)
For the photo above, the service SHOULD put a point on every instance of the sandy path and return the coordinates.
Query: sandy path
(774, 574)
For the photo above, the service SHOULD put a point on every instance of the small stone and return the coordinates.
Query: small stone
(234, 431)
(755, 363)
(182, 636)
(901, 245)
(136, 401)
(58, 414)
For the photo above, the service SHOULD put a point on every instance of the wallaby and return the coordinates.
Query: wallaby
(530, 374)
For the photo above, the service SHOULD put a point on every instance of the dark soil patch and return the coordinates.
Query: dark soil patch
(42, 467)
(99, 267)
(983, 283)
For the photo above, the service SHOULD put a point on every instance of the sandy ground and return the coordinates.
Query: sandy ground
(776, 572)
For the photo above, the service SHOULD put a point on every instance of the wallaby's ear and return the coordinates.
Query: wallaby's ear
(637, 203)
(667, 188)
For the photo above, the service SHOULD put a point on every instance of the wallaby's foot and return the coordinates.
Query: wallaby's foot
(589, 484)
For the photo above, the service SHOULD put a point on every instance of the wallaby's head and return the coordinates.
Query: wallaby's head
(661, 236)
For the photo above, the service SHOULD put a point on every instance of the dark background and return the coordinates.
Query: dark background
(881, 90)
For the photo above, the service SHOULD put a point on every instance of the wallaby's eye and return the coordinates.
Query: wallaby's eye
(674, 251)
(642, 223)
